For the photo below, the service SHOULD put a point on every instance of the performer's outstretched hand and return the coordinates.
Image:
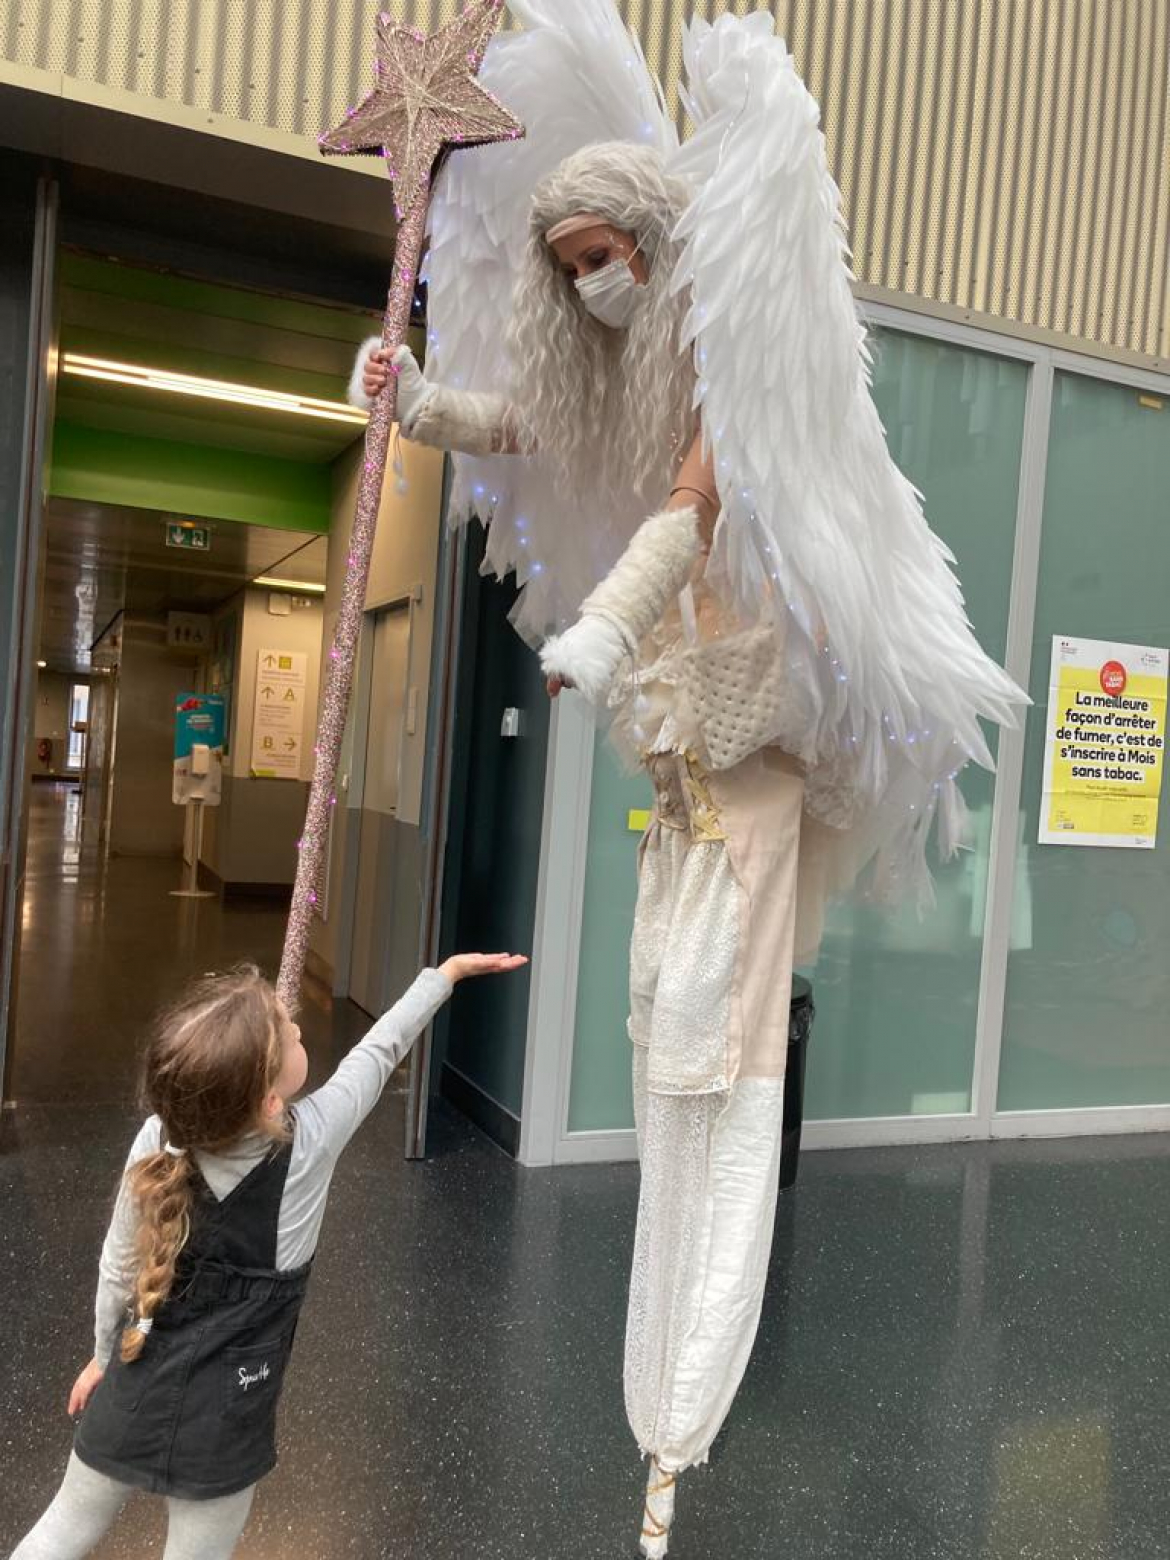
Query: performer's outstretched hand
(460, 966)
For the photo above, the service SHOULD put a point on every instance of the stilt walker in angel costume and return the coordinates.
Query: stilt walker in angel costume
(647, 359)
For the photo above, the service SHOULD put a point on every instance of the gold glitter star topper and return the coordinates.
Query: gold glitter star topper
(425, 100)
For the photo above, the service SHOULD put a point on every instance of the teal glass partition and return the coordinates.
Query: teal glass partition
(1088, 990)
(600, 1097)
(896, 996)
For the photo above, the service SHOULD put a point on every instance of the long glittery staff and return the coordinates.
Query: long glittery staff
(425, 103)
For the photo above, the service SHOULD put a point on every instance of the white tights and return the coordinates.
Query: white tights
(85, 1506)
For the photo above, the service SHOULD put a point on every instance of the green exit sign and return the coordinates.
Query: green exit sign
(196, 538)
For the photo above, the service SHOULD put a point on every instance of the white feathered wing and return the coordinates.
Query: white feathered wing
(819, 526)
(574, 75)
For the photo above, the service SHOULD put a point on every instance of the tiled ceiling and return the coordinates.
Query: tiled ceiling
(101, 560)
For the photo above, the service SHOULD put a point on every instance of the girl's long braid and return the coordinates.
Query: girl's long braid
(162, 1185)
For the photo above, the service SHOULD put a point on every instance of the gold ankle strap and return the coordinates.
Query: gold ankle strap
(651, 1526)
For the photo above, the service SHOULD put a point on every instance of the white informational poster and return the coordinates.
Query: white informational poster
(1105, 744)
(278, 719)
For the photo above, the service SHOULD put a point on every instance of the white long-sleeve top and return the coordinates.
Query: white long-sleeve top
(325, 1122)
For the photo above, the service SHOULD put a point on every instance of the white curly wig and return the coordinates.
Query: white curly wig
(611, 411)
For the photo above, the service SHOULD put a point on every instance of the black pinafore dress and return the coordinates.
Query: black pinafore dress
(195, 1414)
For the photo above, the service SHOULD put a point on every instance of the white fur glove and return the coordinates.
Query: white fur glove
(413, 387)
(414, 390)
(355, 392)
(586, 656)
(627, 604)
(435, 415)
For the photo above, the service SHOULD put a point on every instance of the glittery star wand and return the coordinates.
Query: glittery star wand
(426, 102)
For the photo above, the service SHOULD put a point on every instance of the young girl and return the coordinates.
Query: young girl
(208, 1256)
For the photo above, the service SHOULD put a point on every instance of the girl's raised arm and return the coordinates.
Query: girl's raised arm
(328, 1118)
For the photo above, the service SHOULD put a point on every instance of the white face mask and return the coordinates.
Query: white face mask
(610, 295)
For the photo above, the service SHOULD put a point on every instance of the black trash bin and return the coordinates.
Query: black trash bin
(800, 1022)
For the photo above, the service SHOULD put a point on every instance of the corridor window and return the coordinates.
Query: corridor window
(78, 713)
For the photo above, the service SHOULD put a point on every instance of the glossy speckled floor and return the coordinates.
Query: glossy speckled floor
(963, 1356)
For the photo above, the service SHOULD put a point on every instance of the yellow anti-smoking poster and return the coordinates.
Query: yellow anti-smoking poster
(1106, 741)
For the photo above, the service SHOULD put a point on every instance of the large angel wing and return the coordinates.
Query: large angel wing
(819, 525)
(574, 75)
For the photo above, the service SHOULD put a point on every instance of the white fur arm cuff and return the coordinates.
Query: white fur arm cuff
(622, 610)
(414, 389)
(355, 392)
(432, 414)
(586, 656)
(460, 420)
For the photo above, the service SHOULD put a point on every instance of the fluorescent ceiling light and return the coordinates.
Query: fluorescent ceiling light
(305, 587)
(209, 389)
(42, 664)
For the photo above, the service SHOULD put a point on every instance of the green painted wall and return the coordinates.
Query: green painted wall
(189, 479)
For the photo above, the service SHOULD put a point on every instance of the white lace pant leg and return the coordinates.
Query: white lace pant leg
(710, 1166)
(673, 1145)
(676, 1137)
(660, 863)
(725, 1293)
(710, 1172)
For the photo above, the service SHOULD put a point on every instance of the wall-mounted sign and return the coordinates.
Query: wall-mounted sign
(1105, 745)
(200, 722)
(278, 720)
(188, 631)
(195, 538)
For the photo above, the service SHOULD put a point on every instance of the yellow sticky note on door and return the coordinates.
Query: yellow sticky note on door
(639, 820)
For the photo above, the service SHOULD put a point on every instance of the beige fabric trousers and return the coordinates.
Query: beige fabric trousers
(710, 983)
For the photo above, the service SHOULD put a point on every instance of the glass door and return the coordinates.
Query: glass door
(1088, 985)
(78, 725)
(897, 995)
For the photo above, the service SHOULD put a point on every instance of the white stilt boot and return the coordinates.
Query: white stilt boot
(658, 1513)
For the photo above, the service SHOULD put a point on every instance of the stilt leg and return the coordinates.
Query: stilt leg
(658, 1513)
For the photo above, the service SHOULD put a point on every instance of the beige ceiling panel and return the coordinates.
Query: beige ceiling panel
(1009, 157)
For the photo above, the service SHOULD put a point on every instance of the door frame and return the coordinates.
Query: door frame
(545, 1136)
(402, 601)
(434, 820)
(38, 402)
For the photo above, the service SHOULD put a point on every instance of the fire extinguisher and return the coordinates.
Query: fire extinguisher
(45, 752)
